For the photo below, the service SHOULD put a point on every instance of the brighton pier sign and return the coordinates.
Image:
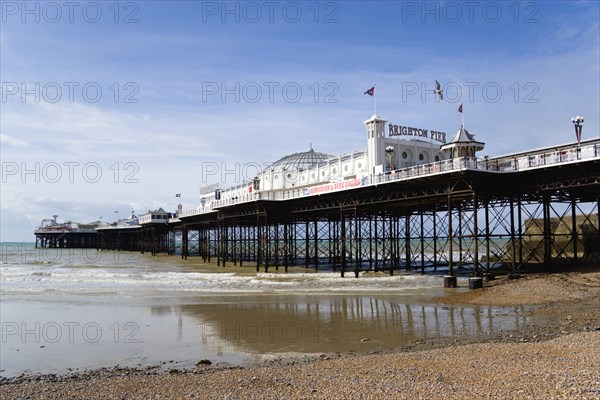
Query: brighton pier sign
(398, 130)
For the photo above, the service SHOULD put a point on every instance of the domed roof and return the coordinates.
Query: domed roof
(301, 160)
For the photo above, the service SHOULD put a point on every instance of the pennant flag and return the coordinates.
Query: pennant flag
(460, 108)
(177, 194)
(370, 92)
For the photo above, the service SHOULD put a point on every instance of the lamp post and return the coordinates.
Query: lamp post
(389, 151)
(578, 122)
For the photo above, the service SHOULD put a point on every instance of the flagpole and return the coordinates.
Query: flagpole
(374, 100)
(462, 114)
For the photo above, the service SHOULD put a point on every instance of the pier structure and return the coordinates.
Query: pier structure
(413, 200)
(462, 214)
(65, 239)
(52, 234)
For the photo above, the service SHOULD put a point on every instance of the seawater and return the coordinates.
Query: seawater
(67, 309)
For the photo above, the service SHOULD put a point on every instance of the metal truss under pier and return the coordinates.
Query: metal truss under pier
(65, 239)
(470, 220)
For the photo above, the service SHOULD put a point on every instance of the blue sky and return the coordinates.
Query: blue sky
(168, 126)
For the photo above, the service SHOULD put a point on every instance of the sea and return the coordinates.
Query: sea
(65, 310)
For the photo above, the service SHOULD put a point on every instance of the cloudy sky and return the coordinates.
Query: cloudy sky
(117, 106)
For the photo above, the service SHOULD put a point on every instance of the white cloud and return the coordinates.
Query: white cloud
(7, 140)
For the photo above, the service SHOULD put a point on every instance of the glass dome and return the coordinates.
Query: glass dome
(300, 160)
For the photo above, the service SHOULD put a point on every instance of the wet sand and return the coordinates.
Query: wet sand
(556, 355)
(532, 289)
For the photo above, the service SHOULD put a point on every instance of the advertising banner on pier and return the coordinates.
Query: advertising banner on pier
(331, 187)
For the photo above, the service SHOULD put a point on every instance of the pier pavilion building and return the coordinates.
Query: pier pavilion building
(402, 147)
(410, 200)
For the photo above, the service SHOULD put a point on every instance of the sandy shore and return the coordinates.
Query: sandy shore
(559, 357)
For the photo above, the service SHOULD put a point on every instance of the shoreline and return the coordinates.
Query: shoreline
(566, 313)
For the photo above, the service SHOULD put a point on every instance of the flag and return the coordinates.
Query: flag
(460, 108)
(116, 211)
(370, 92)
(177, 194)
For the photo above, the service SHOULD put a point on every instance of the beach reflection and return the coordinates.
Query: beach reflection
(322, 324)
(58, 333)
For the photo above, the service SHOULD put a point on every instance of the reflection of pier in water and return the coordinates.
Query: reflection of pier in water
(335, 324)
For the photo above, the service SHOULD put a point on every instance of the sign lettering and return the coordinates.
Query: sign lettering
(330, 187)
(398, 130)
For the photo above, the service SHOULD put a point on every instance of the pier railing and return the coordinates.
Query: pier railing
(507, 164)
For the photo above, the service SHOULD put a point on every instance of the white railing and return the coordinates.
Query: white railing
(497, 165)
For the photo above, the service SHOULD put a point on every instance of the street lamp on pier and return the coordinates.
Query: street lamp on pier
(389, 151)
(578, 122)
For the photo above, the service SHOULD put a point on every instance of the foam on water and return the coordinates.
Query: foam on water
(89, 278)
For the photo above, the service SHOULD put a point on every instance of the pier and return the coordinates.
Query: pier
(51, 234)
(465, 215)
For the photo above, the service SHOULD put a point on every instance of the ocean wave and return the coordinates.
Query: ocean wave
(153, 277)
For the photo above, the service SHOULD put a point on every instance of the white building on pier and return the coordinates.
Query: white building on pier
(402, 147)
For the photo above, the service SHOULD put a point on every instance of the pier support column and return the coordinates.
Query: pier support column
(286, 246)
(475, 237)
(357, 257)
(376, 238)
(259, 239)
(547, 231)
(306, 244)
(343, 242)
(435, 241)
(184, 242)
(316, 244)
(450, 239)
(574, 227)
(219, 243)
(407, 249)
(520, 231)
(513, 244)
(486, 207)
(422, 240)
(240, 245)
(460, 235)
(335, 243)
(267, 245)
